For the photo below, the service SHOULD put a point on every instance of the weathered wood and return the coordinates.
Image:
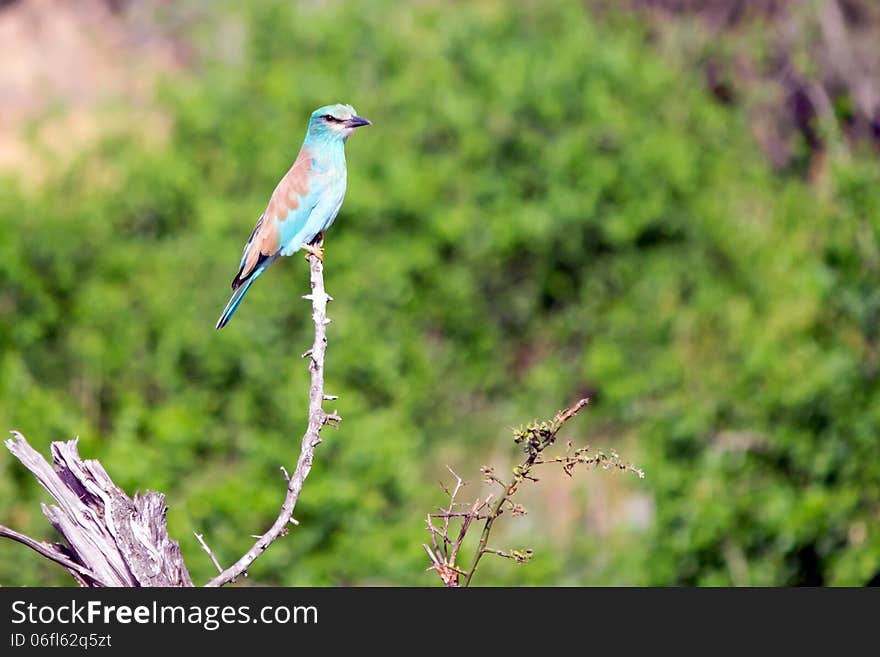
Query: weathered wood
(112, 540)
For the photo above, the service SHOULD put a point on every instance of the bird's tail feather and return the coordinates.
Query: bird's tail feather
(235, 301)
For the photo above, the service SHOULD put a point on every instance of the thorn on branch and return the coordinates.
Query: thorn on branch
(332, 419)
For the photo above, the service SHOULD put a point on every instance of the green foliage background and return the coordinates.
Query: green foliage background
(544, 208)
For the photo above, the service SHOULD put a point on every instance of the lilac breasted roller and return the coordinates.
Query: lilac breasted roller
(304, 204)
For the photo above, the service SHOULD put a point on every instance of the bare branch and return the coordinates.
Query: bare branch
(445, 551)
(318, 418)
(56, 553)
(210, 552)
(452, 495)
(569, 413)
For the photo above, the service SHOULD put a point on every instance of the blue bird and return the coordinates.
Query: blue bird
(303, 205)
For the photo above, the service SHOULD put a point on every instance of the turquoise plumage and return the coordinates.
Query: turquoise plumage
(304, 204)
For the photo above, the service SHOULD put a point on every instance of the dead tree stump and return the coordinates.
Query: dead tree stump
(112, 540)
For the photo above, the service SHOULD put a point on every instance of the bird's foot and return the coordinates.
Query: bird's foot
(313, 250)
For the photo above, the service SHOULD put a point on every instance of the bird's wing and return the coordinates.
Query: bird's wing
(289, 207)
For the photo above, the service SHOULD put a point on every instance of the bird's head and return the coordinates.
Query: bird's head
(335, 121)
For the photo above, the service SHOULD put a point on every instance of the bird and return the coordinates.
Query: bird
(305, 201)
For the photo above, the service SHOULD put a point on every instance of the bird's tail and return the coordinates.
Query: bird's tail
(235, 301)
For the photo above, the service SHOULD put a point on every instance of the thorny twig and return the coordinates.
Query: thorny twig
(318, 418)
(445, 552)
(536, 438)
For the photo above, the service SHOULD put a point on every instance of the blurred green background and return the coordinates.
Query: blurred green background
(673, 210)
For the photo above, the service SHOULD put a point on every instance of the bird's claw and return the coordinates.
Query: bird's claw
(313, 250)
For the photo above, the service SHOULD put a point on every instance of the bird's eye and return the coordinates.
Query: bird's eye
(330, 117)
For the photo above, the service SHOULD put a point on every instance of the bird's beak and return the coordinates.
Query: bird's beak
(356, 122)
